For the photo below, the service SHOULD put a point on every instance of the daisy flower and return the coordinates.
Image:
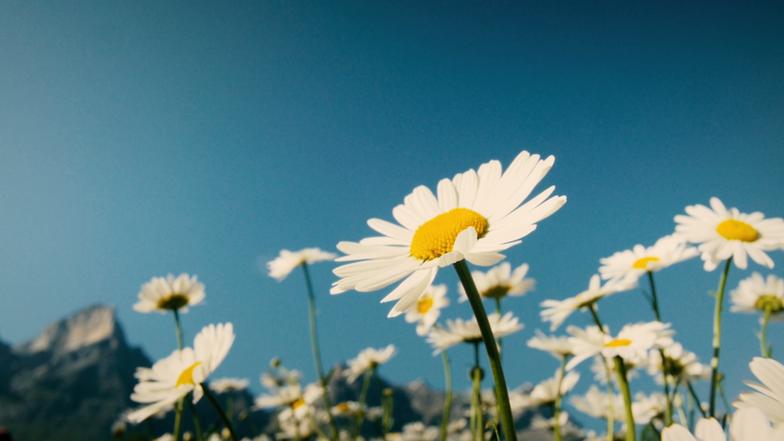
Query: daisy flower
(164, 294)
(757, 294)
(546, 392)
(747, 425)
(473, 216)
(427, 309)
(181, 372)
(346, 408)
(558, 347)
(292, 398)
(228, 385)
(631, 344)
(681, 364)
(598, 404)
(287, 261)
(727, 233)
(557, 311)
(368, 359)
(631, 264)
(467, 331)
(769, 393)
(500, 281)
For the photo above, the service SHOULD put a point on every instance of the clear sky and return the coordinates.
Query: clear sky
(141, 138)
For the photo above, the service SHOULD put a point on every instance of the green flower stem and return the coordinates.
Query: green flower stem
(179, 406)
(765, 348)
(502, 393)
(363, 401)
(315, 348)
(717, 338)
(657, 314)
(219, 409)
(608, 374)
(388, 407)
(477, 420)
(557, 404)
(696, 398)
(447, 397)
(196, 420)
(623, 383)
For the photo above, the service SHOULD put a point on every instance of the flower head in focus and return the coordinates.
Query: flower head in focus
(630, 264)
(170, 293)
(467, 331)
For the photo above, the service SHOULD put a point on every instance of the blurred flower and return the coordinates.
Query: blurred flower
(723, 233)
(367, 359)
(499, 281)
(224, 385)
(181, 372)
(292, 398)
(417, 431)
(546, 392)
(598, 404)
(681, 364)
(769, 393)
(756, 294)
(346, 408)
(557, 311)
(632, 343)
(476, 215)
(629, 265)
(747, 425)
(467, 331)
(170, 294)
(558, 347)
(280, 267)
(427, 309)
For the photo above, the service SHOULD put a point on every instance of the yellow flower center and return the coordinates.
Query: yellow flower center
(436, 237)
(732, 229)
(343, 407)
(299, 402)
(644, 262)
(424, 304)
(617, 343)
(496, 292)
(173, 301)
(769, 302)
(186, 377)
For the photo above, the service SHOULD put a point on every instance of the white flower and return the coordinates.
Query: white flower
(681, 364)
(723, 233)
(747, 425)
(467, 331)
(557, 311)
(293, 427)
(547, 391)
(280, 267)
(601, 371)
(631, 344)
(163, 294)
(225, 385)
(558, 347)
(346, 408)
(476, 215)
(295, 402)
(500, 281)
(598, 404)
(769, 395)
(369, 358)
(419, 432)
(427, 309)
(631, 264)
(181, 372)
(755, 294)
(647, 407)
(165, 437)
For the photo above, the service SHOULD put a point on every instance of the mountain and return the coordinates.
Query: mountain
(73, 381)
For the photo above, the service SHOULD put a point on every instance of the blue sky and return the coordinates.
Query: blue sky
(142, 138)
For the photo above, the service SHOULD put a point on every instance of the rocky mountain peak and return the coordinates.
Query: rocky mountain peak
(84, 328)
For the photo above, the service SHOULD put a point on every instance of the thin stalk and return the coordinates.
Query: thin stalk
(502, 393)
(362, 401)
(179, 406)
(498, 310)
(696, 398)
(315, 348)
(447, 397)
(557, 404)
(476, 403)
(657, 314)
(717, 338)
(196, 420)
(623, 384)
(765, 348)
(386, 420)
(221, 413)
(608, 374)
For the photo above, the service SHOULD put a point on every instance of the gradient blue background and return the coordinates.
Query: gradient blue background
(140, 138)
